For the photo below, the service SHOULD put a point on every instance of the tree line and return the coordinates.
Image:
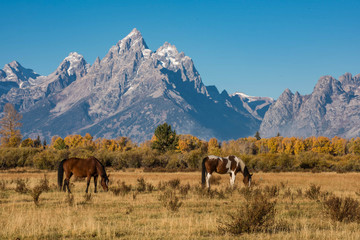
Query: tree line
(169, 151)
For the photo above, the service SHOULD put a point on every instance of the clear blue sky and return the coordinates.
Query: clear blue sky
(256, 47)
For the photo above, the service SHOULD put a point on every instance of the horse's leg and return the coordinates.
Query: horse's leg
(87, 183)
(232, 178)
(208, 176)
(95, 183)
(67, 181)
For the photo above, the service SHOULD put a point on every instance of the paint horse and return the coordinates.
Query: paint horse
(90, 167)
(222, 165)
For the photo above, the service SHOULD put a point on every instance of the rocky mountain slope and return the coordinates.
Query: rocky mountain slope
(332, 109)
(128, 93)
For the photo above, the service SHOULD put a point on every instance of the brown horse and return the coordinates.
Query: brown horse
(90, 167)
(222, 165)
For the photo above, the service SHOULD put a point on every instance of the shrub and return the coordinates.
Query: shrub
(17, 157)
(342, 209)
(49, 159)
(149, 187)
(313, 192)
(141, 185)
(35, 194)
(42, 186)
(272, 191)
(206, 193)
(170, 200)
(21, 186)
(193, 158)
(184, 190)
(122, 189)
(256, 215)
(3, 185)
(174, 183)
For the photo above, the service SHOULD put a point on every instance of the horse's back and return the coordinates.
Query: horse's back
(215, 164)
(80, 167)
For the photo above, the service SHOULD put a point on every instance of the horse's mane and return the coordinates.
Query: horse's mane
(102, 167)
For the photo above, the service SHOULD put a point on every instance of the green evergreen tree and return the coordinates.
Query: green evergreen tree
(165, 138)
(257, 135)
(37, 142)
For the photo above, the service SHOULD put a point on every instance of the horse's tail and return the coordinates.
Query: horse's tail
(203, 171)
(61, 173)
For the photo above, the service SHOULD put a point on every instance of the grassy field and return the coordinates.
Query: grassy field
(144, 215)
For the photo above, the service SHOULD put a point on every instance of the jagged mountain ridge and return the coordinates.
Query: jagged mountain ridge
(332, 109)
(128, 93)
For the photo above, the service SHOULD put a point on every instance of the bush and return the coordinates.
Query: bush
(17, 157)
(313, 192)
(184, 190)
(194, 158)
(42, 186)
(122, 189)
(49, 159)
(21, 186)
(342, 209)
(3, 185)
(174, 183)
(272, 191)
(176, 161)
(141, 185)
(256, 215)
(170, 200)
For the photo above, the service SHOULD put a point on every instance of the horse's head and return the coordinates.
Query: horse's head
(105, 182)
(247, 180)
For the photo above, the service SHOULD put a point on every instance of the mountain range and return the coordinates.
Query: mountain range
(332, 109)
(128, 93)
(133, 89)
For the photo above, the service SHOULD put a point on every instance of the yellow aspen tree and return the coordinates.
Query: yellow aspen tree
(214, 147)
(322, 145)
(10, 127)
(299, 146)
(338, 145)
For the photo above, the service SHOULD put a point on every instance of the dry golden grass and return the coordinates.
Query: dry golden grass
(106, 216)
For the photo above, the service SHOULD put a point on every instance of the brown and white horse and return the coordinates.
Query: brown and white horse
(222, 165)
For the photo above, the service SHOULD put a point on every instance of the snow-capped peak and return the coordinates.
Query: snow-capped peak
(134, 38)
(169, 55)
(167, 50)
(76, 60)
(251, 98)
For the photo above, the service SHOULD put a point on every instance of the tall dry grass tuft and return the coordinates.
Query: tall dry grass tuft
(21, 186)
(3, 185)
(342, 209)
(174, 183)
(141, 185)
(256, 215)
(272, 191)
(184, 190)
(313, 192)
(169, 200)
(121, 189)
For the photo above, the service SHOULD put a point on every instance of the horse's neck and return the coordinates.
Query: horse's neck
(100, 169)
(241, 166)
